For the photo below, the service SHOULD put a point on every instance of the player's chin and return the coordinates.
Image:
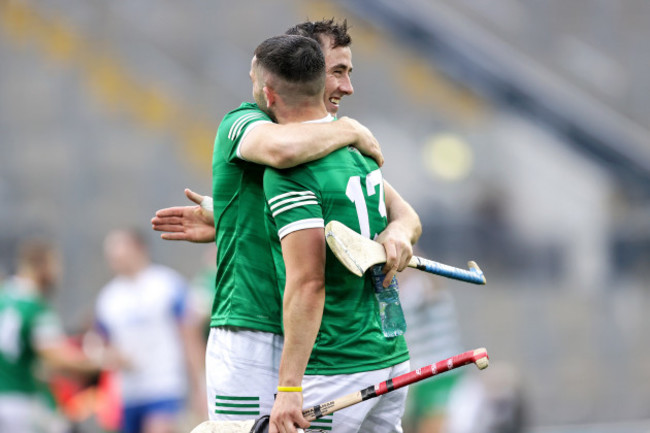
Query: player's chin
(332, 108)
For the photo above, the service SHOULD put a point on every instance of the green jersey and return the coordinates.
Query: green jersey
(25, 323)
(246, 294)
(347, 187)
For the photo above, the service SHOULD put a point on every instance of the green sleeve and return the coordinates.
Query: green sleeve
(233, 128)
(293, 199)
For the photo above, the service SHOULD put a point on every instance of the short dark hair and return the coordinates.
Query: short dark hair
(336, 32)
(296, 60)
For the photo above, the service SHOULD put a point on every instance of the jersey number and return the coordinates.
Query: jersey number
(354, 191)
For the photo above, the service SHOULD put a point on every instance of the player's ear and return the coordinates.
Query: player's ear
(271, 96)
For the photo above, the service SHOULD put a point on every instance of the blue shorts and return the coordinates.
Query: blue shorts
(133, 416)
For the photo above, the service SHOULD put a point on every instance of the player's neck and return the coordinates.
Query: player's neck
(302, 113)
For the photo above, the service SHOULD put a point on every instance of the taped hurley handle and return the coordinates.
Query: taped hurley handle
(358, 253)
(473, 275)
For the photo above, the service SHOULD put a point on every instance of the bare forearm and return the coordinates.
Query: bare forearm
(401, 215)
(302, 311)
(303, 301)
(284, 146)
(401, 233)
(309, 142)
(66, 357)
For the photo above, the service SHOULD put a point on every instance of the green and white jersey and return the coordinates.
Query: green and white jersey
(26, 322)
(347, 187)
(246, 291)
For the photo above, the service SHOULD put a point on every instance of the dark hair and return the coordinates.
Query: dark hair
(336, 32)
(296, 60)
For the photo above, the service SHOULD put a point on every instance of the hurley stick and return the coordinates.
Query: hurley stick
(478, 357)
(358, 253)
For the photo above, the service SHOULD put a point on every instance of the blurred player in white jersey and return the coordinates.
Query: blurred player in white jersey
(142, 313)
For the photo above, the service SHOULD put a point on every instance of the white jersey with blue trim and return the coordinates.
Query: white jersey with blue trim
(140, 316)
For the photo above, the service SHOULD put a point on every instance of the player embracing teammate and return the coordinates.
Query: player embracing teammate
(246, 342)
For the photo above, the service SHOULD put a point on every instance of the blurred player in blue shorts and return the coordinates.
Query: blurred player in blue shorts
(142, 313)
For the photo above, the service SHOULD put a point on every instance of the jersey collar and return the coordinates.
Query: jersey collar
(325, 119)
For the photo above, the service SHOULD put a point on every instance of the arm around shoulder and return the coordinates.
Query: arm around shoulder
(289, 145)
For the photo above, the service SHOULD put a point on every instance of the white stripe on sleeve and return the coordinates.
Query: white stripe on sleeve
(249, 128)
(291, 206)
(290, 200)
(234, 129)
(311, 196)
(288, 194)
(242, 125)
(311, 223)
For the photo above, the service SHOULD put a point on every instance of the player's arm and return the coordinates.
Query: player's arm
(62, 355)
(266, 143)
(52, 347)
(284, 146)
(304, 299)
(403, 230)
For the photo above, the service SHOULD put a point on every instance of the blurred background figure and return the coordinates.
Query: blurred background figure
(143, 315)
(32, 338)
(432, 335)
(488, 403)
(202, 289)
(459, 401)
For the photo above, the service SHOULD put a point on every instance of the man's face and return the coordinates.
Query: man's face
(123, 254)
(338, 63)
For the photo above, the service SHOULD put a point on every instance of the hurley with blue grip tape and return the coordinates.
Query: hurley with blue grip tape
(358, 254)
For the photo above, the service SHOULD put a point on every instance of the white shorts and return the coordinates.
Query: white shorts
(241, 372)
(382, 414)
(21, 413)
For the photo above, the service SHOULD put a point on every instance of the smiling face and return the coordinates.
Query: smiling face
(338, 65)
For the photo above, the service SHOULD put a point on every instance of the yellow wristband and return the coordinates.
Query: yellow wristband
(290, 388)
